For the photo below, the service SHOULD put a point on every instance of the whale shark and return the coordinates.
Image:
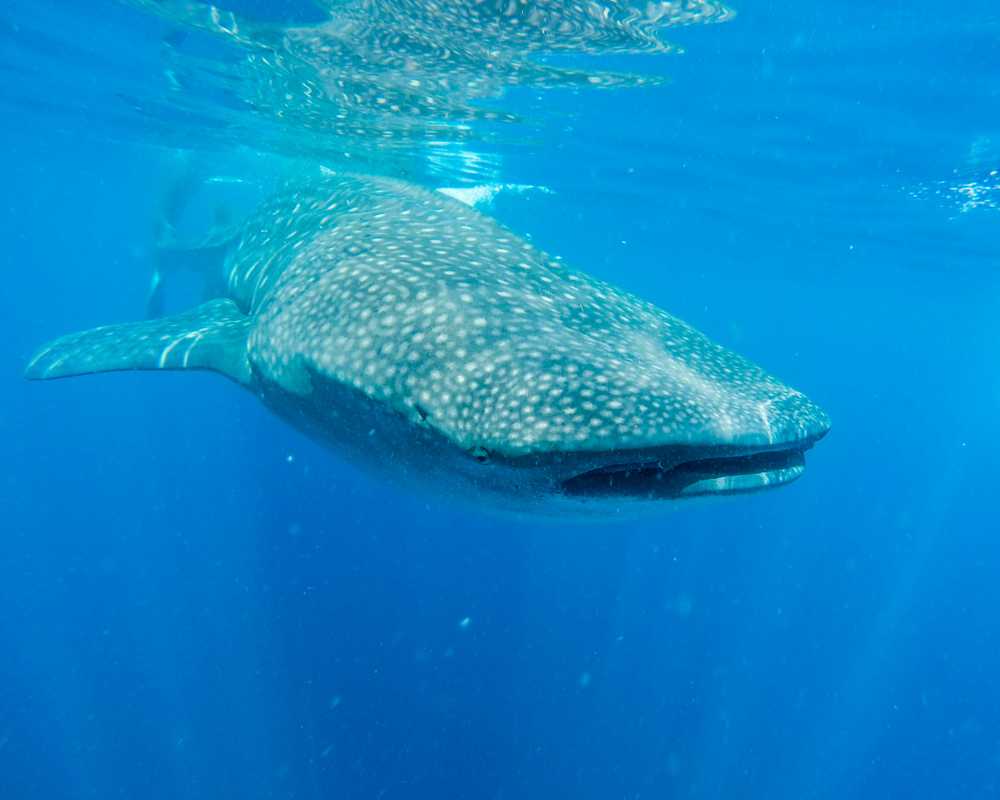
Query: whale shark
(420, 338)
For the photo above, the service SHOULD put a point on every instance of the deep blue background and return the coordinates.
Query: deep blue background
(197, 602)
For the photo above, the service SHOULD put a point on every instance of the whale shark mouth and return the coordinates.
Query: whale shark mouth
(715, 475)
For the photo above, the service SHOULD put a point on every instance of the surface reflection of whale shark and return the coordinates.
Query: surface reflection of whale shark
(420, 337)
(378, 80)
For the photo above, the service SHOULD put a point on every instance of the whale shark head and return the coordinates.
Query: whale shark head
(760, 446)
(625, 415)
(554, 435)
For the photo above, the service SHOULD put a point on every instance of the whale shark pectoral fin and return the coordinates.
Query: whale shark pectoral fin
(211, 336)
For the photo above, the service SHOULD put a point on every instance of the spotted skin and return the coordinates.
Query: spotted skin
(403, 326)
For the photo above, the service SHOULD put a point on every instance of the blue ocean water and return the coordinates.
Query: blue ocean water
(197, 601)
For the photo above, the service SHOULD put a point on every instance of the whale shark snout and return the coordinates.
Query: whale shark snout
(727, 437)
(760, 458)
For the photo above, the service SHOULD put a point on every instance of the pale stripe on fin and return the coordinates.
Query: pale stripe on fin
(212, 336)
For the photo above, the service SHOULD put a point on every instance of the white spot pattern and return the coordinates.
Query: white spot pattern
(437, 311)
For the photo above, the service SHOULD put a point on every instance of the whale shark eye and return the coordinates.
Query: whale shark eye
(480, 454)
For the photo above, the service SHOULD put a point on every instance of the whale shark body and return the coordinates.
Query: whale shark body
(420, 337)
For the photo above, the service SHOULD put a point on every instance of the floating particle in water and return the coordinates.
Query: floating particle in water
(584, 680)
(683, 605)
(464, 623)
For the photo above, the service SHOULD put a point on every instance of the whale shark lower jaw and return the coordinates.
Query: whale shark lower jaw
(718, 472)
